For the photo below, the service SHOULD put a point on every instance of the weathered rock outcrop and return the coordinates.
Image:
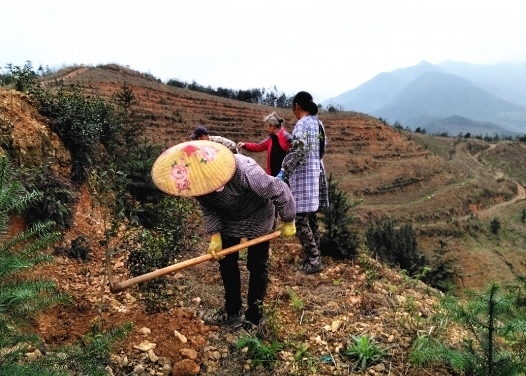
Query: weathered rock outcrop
(25, 136)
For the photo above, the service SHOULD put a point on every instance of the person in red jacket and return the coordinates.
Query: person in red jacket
(276, 144)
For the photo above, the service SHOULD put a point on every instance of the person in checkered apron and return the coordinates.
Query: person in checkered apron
(304, 171)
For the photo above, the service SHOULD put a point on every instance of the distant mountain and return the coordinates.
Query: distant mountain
(435, 95)
(379, 90)
(456, 125)
(426, 94)
(507, 81)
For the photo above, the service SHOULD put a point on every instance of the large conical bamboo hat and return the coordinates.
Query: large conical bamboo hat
(193, 168)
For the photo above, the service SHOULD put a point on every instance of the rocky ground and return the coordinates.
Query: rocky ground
(312, 317)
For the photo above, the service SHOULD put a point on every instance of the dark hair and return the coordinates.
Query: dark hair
(304, 100)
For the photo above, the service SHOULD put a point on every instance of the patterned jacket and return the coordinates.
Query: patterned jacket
(244, 207)
(284, 138)
(225, 142)
(304, 169)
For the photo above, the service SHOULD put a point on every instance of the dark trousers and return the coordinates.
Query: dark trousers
(257, 265)
(309, 236)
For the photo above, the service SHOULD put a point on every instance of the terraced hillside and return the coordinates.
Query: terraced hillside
(440, 184)
(450, 188)
(393, 175)
(371, 160)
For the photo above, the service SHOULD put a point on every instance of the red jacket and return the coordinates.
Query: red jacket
(284, 138)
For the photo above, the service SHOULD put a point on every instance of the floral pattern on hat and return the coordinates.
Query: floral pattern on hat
(193, 168)
(208, 154)
(180, 172)
(179, 175)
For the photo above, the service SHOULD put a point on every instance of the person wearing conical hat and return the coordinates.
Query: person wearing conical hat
(238, 199)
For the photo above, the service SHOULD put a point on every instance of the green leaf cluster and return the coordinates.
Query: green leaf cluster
(260, 353)
(495, 340)
(364, 350)
(21, 298)
(340, 240)
(82, 122)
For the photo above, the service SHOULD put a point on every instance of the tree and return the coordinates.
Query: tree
(24, 78)
(131, 124)
(20, 298)
(340, 240)
(397, 125)
(396, 246)
(495, 226)
(489, 350)
(331, 107)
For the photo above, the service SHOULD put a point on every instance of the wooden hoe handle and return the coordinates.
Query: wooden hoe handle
(120, 286)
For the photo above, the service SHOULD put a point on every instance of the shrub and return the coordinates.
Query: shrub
(490, 349)
(295, 301)
(260, 353)
(162, 243)
(340, 240)
(370, 267)
(396, 246)
(137, 168)
(22, 78)
(495, 226)
(444, 269)
(81, 122)
(334, 107)
(59, 195)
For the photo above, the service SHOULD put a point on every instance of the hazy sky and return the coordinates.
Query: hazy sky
(325, 47)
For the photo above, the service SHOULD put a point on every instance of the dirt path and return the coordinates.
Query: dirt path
(521, 195)
(493, 210)
(75, 73)
(68, 76)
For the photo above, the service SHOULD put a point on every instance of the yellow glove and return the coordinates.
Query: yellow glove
(215, 245)
(288, 229)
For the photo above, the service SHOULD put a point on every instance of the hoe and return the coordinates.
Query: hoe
(116, 287)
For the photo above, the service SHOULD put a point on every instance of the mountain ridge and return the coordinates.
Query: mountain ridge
(475, 91)
(441, 95)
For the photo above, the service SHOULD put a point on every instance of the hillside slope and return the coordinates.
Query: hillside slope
(440, 184)
(381, 89)
(423, 94)
(392, 175)
(503, 80)
(317, 314)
